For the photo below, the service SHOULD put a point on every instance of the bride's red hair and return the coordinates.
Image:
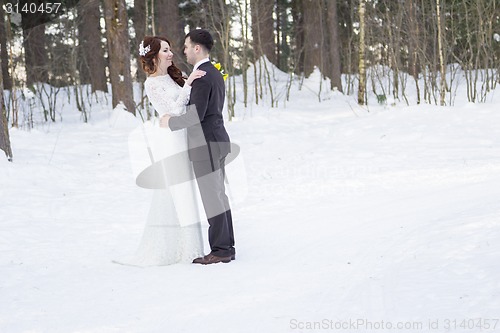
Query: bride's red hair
(149, 59)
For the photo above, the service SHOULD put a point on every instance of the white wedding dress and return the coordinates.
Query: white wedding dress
(173, 230)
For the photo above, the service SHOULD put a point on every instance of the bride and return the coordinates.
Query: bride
(173, 231)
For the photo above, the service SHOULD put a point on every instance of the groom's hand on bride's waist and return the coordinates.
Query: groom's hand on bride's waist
(164, 120)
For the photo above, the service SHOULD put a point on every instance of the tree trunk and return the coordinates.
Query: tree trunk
(442, 65)
(140, 31)
(312, 38)
(413, 34)
(82, 64)
(36, 58)
(283, 32)
(279, 32)
(4, 56)
(81, 56)
(413, 43)
(119, 53)
(348, 54)
(170, 25)
(298, 26)
(333, 24)
(243, 14)
(394, 18)
(4, 127)
(92, 50)
(362, 72)
(263, 29)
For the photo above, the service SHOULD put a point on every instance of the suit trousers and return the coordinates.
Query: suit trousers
(210, 176)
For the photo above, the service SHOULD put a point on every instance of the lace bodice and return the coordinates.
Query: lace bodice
(166, 95)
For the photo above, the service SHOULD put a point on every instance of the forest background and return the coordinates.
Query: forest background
(381, 48)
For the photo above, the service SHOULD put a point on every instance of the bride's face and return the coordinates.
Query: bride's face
(164, 57)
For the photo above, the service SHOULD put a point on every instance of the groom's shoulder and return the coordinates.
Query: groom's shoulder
(209, 68)
(211, 71)
(206, 64)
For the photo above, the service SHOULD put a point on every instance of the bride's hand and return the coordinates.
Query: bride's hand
(164, 120)
(195, 75)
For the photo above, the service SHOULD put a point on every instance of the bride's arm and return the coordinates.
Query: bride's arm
(164, 102)
(184, 95)
(161, 95)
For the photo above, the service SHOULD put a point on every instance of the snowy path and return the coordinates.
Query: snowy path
(392, 215)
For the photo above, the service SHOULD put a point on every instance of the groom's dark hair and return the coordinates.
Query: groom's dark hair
(202, 37)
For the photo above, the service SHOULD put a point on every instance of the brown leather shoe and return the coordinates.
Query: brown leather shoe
(211, 259)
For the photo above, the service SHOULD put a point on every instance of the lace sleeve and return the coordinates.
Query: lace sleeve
(167, 99)
(184, 95)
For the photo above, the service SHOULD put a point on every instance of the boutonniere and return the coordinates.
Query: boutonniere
(220, 69)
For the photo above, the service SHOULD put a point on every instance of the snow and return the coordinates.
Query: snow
(349, 216)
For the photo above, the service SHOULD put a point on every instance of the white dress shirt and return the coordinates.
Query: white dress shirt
(202, 61)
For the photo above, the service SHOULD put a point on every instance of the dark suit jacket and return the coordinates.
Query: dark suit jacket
(207, 137)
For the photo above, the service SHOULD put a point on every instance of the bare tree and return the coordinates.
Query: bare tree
(394, 19)
(34, 42)
(140, 28)
(220, 24)
(36, 58)
(4, 127)
(298, 33)
(169, 25)
(119, 53)
(442, 64)
(7, 81)
(361, 66)
(334, 49)
(283, 29)
(243, 15)
(313, 40)
(412, 31)
(263, 29)
(92, 50)
(347, 16)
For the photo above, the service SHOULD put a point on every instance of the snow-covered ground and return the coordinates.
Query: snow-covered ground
(352, 218)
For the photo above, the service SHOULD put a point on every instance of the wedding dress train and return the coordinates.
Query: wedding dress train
(160, 162)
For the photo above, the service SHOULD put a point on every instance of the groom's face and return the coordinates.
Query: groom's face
(190, 51)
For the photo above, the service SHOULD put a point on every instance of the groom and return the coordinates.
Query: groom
(208, 144)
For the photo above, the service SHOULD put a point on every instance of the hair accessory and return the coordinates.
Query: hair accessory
(144, 50)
